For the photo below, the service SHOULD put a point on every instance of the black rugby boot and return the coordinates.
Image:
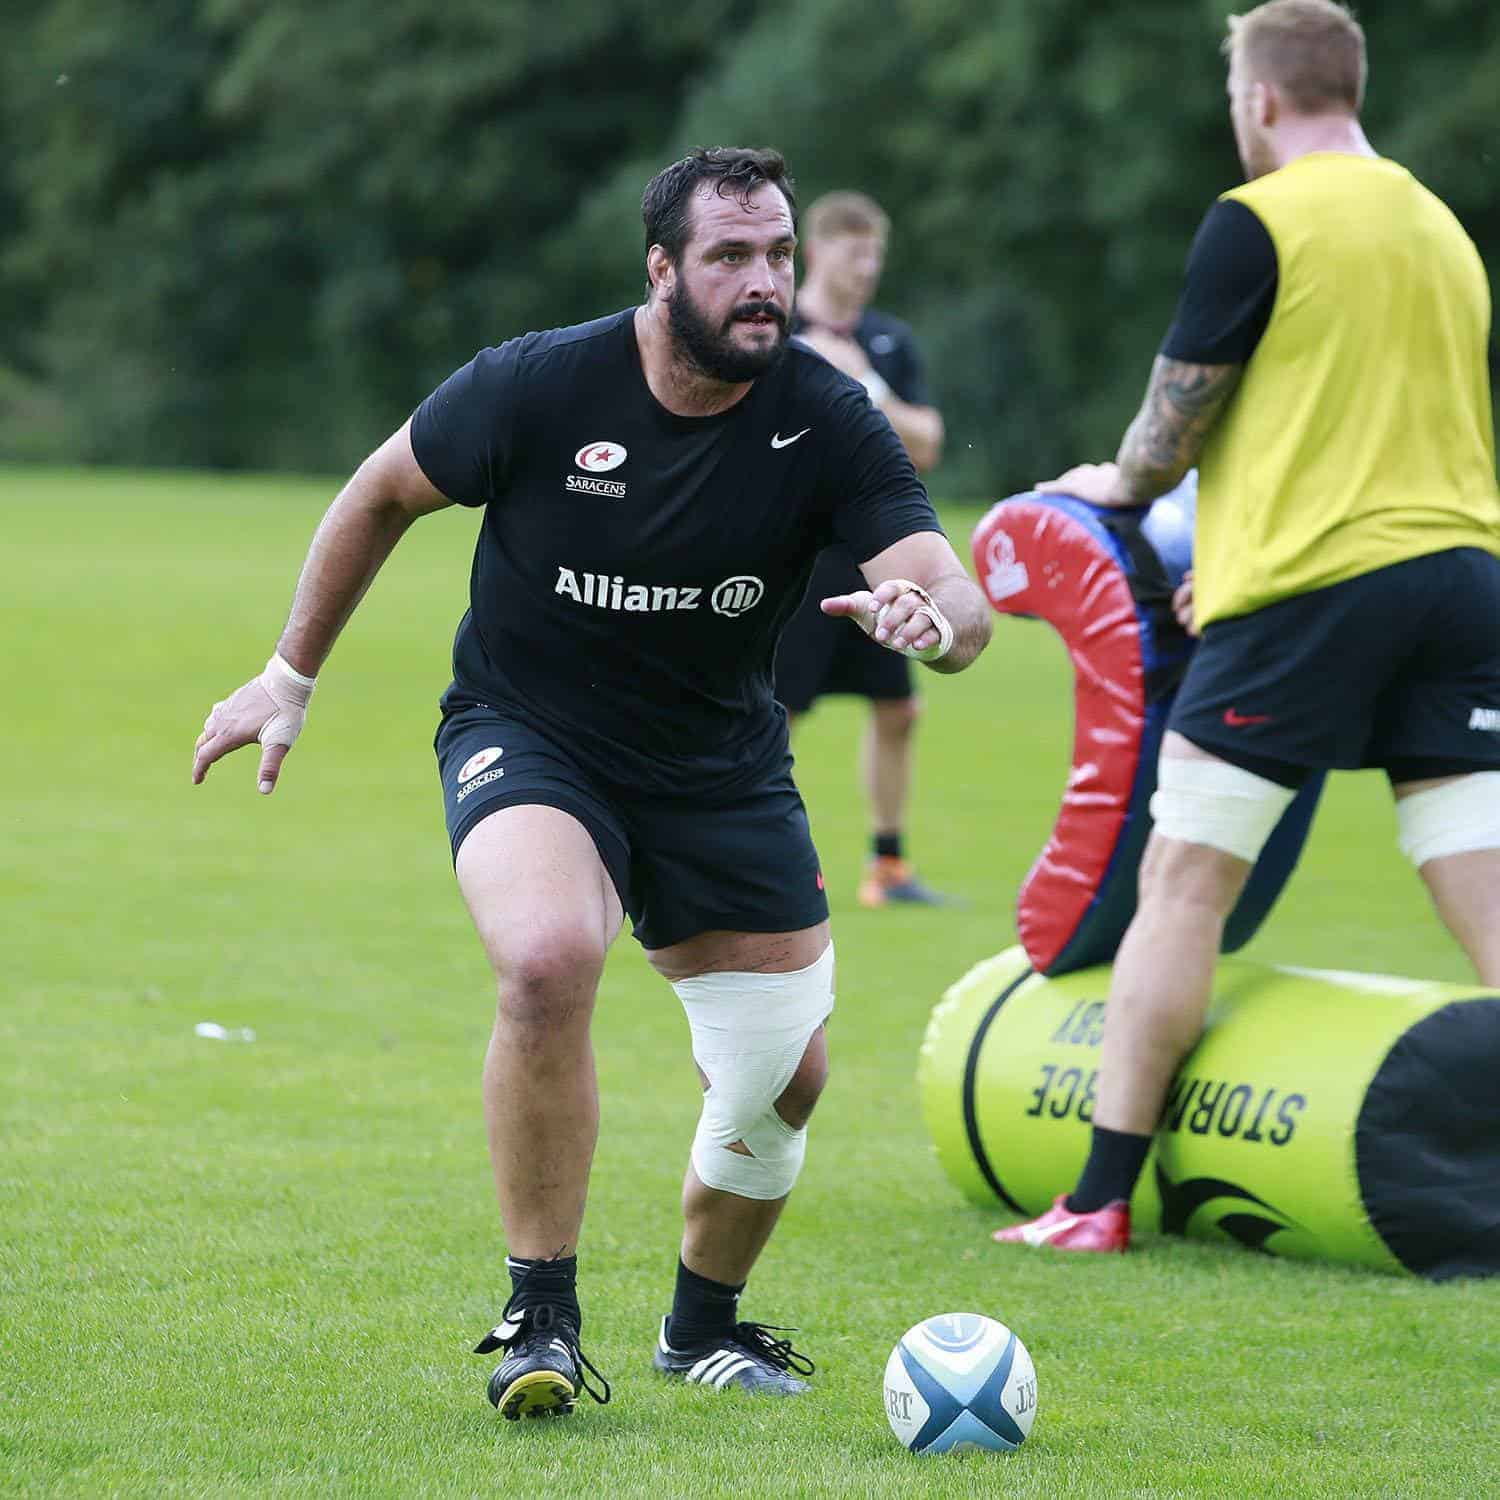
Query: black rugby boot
(544, 1369)
(747, 1356)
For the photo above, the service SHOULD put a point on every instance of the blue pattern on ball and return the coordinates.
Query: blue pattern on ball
(963, 1408)
(967, 1428)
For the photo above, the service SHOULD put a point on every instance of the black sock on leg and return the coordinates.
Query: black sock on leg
(887, 845)
(1115, 1161)
(702, 1309)
(553, 1280)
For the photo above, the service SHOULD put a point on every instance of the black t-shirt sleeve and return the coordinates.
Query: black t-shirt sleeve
(875, 494)
(1229, 290)
(462, 433)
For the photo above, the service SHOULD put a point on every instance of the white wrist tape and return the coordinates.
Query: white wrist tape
(877, 387)
(940, 623)
(289, 691)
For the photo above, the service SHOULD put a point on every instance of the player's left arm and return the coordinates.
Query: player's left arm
(920, 602)
(1182, 403)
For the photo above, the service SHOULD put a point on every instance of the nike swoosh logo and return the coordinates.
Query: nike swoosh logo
(777, 441)
(1034, 1235)
(1239, 721)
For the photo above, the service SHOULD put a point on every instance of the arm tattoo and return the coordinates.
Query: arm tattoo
(1182, 402)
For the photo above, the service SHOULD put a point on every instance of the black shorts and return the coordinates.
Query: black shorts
(1397, 669)
(819, 655)
(745, 863)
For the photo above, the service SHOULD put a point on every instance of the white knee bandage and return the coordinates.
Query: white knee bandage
(749, 1034)
(1212, 802)
(1455, 818)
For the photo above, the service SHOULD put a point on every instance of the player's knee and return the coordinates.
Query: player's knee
(757, 1038)
(796, 1101)
(896, 718)
(548, 978)
(1215, 805)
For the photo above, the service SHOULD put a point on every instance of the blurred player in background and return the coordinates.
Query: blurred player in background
(655, 486)
(1327, 372)
(844, 242)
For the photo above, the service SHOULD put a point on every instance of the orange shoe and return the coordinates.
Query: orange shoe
(1106, 1230)
(889, 878)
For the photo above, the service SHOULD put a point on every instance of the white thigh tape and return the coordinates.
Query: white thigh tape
(1455, 818)
(749, 1034)
(1214, 803)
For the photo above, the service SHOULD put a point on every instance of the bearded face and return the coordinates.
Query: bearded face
(729, 292)
(736, 347)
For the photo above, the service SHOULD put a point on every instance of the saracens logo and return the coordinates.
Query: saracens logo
(600, 458)
(737, 595)
(476, 771)
(479, 761)
(596, 459)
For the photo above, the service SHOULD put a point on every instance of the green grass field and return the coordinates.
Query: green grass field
(235, 1269)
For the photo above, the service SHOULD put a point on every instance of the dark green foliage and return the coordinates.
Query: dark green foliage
(254, 233)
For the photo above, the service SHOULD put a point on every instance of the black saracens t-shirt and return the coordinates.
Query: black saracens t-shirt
(634, 568)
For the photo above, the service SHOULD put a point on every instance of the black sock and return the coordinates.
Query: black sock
(702, 1310)
(887, 846)
(553, 1280)
(1115, 1161)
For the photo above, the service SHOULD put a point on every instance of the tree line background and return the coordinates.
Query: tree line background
(254, 233)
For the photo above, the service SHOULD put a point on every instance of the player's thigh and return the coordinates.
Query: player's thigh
(539, 894)
(725, 951)
(1211, 818)
(541, 855)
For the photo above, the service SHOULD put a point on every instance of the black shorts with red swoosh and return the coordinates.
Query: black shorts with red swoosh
(1398, 669)
(741, 862)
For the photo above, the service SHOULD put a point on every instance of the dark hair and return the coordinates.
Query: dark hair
(666, 205)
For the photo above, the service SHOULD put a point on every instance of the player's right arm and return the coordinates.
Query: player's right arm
(357, 533)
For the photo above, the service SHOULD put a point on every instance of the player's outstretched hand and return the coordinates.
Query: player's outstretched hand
(269, 709)
(1099, 484)
(898, 615)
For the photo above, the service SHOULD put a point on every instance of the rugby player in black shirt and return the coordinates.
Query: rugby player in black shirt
(655, 487)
